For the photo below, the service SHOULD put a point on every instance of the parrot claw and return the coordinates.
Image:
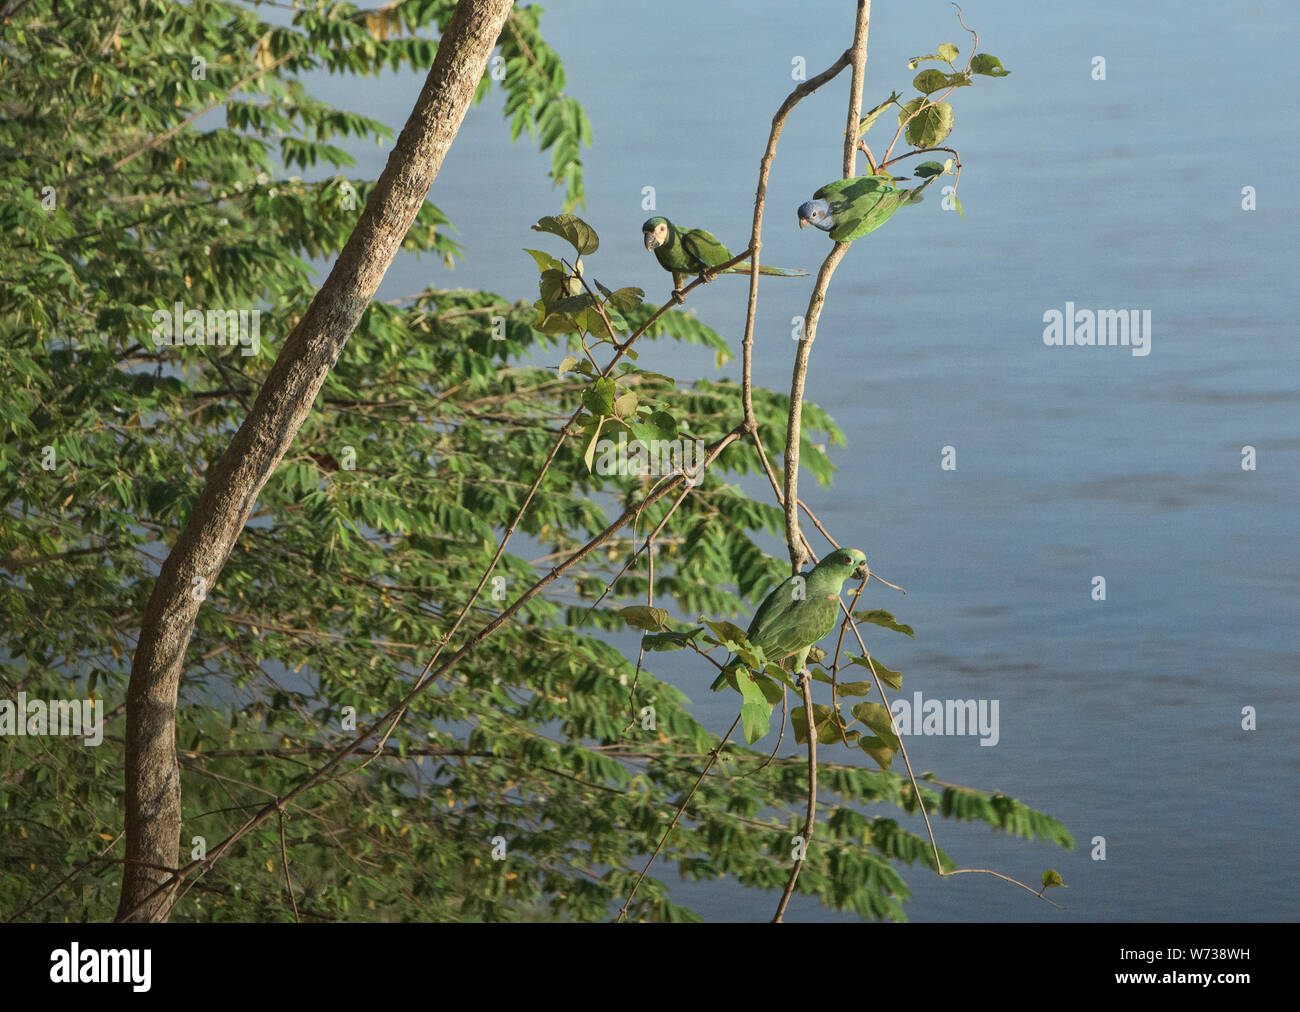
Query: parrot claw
(678, 298)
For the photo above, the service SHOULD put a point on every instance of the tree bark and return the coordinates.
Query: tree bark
(153, 797)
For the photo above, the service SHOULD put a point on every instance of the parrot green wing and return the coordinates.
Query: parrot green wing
(704, 249)
(796, 626)
(845, 191)
(872, 209)
(786, 624)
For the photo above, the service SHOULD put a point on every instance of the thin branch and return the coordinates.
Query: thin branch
(713, 757)
(288, 882)
(810, 817)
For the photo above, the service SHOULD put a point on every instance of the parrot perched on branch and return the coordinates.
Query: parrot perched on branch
(694, 251)
(801, 611)
(850, 208)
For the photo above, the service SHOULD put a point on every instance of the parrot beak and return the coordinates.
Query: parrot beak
(803, 223)
(862, 572)
(650, 243)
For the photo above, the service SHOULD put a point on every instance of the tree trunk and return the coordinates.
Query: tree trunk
(153, 797)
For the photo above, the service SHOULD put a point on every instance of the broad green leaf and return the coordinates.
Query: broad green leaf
(877, 717)
(854, 688)
(659, 425)
(625, 405)
(880, 617)
(545, 262)
(989, 66)
(830, 725)
(927, 169)
(893, 679)
(553, 284)
(755, 710)
(599, 397)
(670, 640)
(878, 750)
(625, 299)
(770, 688)
(728, 635)
(573, 229)
(931, 124)
(642, 616)
(929, 81)
(1051, 878)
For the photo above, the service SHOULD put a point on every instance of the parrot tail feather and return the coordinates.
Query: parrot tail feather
(775, 272)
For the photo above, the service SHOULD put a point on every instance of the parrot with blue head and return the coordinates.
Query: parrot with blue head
(850, 208)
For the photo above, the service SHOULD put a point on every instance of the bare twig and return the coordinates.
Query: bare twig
(713, 757)
(810, 817)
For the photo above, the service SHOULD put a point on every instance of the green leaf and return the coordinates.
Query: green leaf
(755, 710)
(854, 688)
(567, 363)
(947, 53)
(1051, 878)
(865, 123)
(554, 286)
(927, 169)
(545, 262)
(659, 425)
(625, 299)
(893, 679)
(575, 304)
(878, 750)
(989, 66)
(670, 640)
(930, 125)
(880, 617)
(830, 725)
(930, 80)
(589, 454)
(728, 635)
(645, 617)
(599, 397)
(877, 717)
(625, 406)
(573, 229)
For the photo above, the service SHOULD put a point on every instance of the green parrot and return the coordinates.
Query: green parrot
(694, 251)
(801, 611)
(850, 208)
